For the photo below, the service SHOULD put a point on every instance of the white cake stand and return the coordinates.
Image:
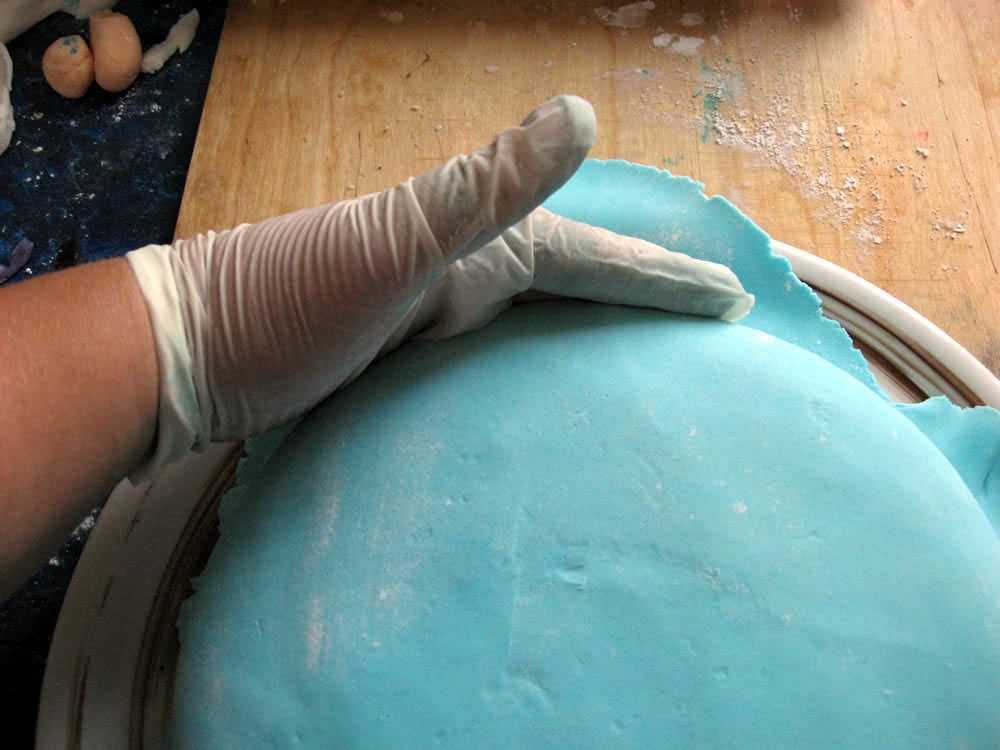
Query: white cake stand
(109, 679)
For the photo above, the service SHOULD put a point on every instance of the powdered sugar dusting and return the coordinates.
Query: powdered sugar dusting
(783, 141)
(315, 633)
(843, 165)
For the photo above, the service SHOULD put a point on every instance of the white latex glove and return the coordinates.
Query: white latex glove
(256, 325)
(6, 111)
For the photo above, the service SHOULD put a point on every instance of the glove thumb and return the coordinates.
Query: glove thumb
(471, 199)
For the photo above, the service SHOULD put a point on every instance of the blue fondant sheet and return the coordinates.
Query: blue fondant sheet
(589, 526)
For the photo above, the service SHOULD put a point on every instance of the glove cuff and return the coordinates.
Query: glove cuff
(179, 423)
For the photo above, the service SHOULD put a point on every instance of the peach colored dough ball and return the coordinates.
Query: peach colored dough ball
(117, 50)
(68, 66)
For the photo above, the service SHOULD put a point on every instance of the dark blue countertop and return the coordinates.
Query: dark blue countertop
(89, 179)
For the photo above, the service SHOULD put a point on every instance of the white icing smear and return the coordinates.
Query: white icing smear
(395, 17)
(679, 45)
(631, 16)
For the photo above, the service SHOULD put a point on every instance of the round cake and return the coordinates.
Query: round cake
(596, 527)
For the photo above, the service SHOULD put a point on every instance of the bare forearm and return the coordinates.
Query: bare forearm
(78, 381)
(122, 367)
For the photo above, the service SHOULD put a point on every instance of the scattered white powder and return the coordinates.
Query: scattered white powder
(767, 134)
(954, 227)
(924, 152)
(784, 142)
(838, 170)
(491, 68)
(86, 525)
(692, 19)
(841, 132)
(867, 234)
(950, 228)
(630, 16)
(740, 507)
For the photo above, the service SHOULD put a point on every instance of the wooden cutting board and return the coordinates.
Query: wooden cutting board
(807, 115)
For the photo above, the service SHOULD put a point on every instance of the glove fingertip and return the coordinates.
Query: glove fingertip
(739, 308)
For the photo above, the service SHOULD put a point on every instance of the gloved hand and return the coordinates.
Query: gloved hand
(255, 325)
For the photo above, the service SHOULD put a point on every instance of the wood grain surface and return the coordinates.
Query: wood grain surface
(807, 115)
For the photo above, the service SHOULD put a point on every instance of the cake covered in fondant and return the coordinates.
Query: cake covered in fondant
(587, 526)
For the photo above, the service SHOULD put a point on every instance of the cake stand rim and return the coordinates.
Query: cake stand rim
(963, 371)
